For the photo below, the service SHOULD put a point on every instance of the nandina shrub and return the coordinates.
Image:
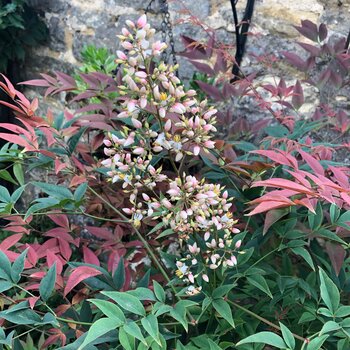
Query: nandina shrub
(186, 246)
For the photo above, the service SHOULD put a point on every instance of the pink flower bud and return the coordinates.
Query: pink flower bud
(205, 278)
(145, 197)
(166, 203)
(121, 55)
(196, 150)
(238, 244)
(136, 123)
(167, 125)
(206, 236)
(138, 150)
(141, 74)
(107, 143)
(127, 211)
(127, 46)
(130, 24)
(234, 260)
(162, 112)
(143, 102)
(209, 144)
(125, 32)
(142, 21)
(178, 108)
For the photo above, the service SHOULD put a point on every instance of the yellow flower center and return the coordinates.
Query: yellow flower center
(163, 96)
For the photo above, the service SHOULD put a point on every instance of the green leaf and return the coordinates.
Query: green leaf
(109, 309)
(134, 330)
(325, 312)
(334, 212)
(127, 302)
(4, 195)
(5, 266)
(343, 311)
(219, 292)
(18, 171)
(306, 317)
(142, 293)
(268, 338)
(119, 275)
(5, 285)
(150, 324)
(315, 220)
(99, 328)
(80, 191)
(125, 340)
(260, 282)
(4, 174)
(316, 343)
(330, 326)
(18, 266)
(344, 220)
(329, 292)
(223, 309)
(159, 291)
(47, 284)
(23, 316)
(55, 191)
(287, 336)
(305, 255)
(330, 235)
(17, 194)
(74, 140)
(166, 232)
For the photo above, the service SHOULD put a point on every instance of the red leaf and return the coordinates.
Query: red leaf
(283, 183)
(298, 95)
(80, 274)
(90, 257)
(312, 162)
(265, 206)
(210, 90)
(273, 216)
(336, 254)
(60, 220)
(10, 241)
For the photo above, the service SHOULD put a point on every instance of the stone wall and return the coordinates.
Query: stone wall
(74, 23)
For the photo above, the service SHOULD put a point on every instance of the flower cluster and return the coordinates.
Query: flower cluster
(185, 125)
(164, 121)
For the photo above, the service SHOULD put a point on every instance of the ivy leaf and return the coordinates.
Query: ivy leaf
(267, 338)
(329, 292)
(127, 302)
(287, 336)
(99, 328)
(47, 284)
(224, 310)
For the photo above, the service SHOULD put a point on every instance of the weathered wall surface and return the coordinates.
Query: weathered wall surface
(74, 23)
